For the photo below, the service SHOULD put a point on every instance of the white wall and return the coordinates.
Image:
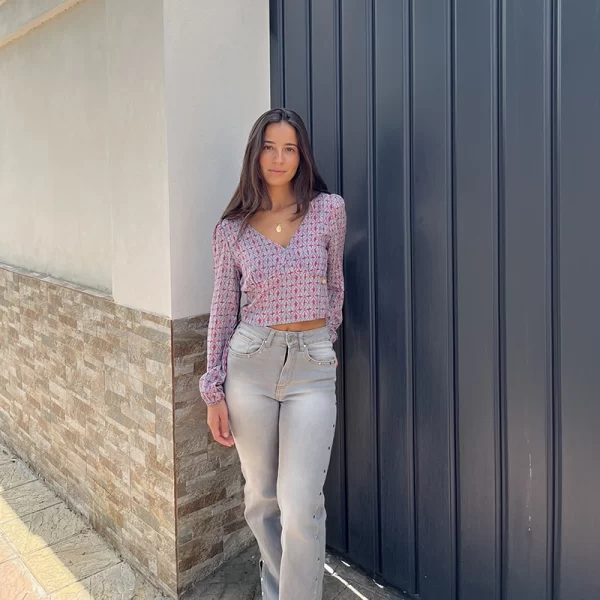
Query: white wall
(138, 154)
(54, 205)
(217, 84)
(122, 129)
(17, 17)
(83, 156)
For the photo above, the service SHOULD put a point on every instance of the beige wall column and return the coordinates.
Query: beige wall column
(137, 154)
(217, 84)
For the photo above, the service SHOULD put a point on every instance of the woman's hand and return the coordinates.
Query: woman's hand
(218, 421)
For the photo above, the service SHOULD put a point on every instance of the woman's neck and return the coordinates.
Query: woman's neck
(281, 197)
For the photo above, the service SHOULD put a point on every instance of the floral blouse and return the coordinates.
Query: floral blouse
(300, 282)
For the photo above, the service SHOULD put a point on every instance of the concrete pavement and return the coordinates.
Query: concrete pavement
(47, 552)
(239, 580)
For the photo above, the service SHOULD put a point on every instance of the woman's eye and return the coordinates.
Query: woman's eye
(290, 149)
(268, 147)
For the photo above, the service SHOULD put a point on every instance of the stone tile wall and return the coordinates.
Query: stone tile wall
(86, 399)
(102, 401)
(209, 485)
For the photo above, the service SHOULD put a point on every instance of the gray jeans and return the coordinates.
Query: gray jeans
(280, 392)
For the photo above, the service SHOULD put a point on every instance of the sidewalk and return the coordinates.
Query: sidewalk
(47, 551)
(238, 580)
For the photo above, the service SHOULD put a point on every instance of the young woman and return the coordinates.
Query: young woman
(271, 373)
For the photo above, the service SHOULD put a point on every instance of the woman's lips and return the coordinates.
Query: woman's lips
(276, 171)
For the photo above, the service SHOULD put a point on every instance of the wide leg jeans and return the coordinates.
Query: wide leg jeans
(280, 392)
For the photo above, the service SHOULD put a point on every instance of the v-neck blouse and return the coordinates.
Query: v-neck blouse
(302, 281)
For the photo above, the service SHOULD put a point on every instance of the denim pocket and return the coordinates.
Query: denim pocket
(245, 346)
(320, 353)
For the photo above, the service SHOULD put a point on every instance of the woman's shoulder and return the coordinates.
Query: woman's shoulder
(329, 203)
(228, 226)
(331, 207)
(226, 231)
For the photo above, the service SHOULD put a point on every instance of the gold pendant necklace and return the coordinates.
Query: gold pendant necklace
(278, 225)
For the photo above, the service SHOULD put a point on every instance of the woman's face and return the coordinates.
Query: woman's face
(280, 156)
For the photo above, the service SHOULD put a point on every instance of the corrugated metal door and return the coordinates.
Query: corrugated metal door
(465, 137)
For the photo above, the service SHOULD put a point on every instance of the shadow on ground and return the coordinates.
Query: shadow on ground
(239, 580)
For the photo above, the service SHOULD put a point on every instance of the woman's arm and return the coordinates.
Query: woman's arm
(335, 264)
(223, 317)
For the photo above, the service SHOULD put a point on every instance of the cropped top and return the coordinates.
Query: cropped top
(302, 281)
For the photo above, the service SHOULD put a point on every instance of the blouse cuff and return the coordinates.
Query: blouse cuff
(332, 334)
(213, 397)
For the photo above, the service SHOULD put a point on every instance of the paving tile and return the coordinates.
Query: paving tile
(25, 499)
(14, 473)
(332, 588)
(6, 550)
(18, 582)
(238, 579)
(42, 528)
(115, 583)
(146, 591)
(242, 569)
(119, 582)
(355, 584)
(229, 591)
(5, 455)
(351, 594)
(71, 560)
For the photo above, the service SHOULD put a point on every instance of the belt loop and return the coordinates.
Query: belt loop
(301, 343)
(270, 337)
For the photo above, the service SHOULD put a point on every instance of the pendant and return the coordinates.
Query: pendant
(278, 229)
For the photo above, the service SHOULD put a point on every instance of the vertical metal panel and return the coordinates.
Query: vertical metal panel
(394, 307)
(326, 136)
(579, 298)
(325, 93)
(297, 58)
(277, 52)
(477, 343)
(527, 296)
(361, 446)
(433, 298)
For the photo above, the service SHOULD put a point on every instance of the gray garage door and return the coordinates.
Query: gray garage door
(465, 137)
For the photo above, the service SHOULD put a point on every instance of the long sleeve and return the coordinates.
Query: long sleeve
(335, 264)
(223, 317)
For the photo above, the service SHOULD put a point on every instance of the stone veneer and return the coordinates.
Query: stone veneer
(210, 511)
(102, 401)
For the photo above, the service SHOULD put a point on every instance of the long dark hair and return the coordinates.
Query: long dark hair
(251, 193)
